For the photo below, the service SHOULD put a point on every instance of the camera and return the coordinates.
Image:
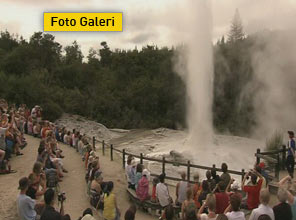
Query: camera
(61, 197)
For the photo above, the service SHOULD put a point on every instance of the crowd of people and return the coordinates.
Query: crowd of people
(216, 197)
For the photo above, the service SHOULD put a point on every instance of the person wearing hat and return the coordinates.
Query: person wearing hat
(26, 205)
(290, 162)
(143, 186)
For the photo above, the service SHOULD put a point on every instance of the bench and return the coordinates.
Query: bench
(147, 204)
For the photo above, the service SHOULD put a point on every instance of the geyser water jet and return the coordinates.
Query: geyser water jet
(197, 71)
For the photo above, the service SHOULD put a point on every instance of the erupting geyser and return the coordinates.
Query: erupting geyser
(198, 67)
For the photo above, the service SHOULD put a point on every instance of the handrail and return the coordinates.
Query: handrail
(163, 161)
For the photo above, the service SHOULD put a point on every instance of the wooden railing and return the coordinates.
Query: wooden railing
(162, 161)
(276, 158)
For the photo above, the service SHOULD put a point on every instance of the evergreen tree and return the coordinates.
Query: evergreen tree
(236, 30)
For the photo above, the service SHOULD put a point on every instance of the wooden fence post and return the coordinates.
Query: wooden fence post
(123, 158)
(258, 158)
(188, 170)
(111, 152)
(284, 157)
(163, 164)
(103, 148)
(277, 168)
(94, 143)
(243, 174)
(103, 143)
(141, 158)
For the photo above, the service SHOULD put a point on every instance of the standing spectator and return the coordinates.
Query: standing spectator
(196, 189)
(111, 211)
(252, 190)
(282, 210)
(225, 177)
(162, 192)
(222, 199)
(205, 191)
(263, 208)
(143, 187)
(189, 208)
(26, 205)
(181, 189)
(290, 163)
(235, 214)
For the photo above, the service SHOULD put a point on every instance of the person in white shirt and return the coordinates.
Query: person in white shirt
(162, 192)
(263, 208)
(235, 214)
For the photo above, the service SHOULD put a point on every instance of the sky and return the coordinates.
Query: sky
(156, 22)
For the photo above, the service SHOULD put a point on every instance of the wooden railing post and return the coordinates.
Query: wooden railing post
(188, 170)
(258, 158)
(243, 174)
(141, 158)
(94, 143)
(284, 157)
(103, 148)
(123, 158)
(277, 168)
(111, 152)
(103, 143)
(163, 164)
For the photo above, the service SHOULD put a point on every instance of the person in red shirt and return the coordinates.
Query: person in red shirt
(222, 198)
(252, 189)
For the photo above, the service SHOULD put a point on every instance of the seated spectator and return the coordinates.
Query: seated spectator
(260, 169)
(49, 211)
(38, 179)
(96, 190)
(168, 213)
(205, 191)
(132, 175)
(221, 217)
(87, 215)
(225, 177)
(283, 209)
(211, 204)
(264, 208)
(235, 214)
(181, 189)
(138, 176)
(143, 187)
(153, 194)
(252, 190)
(111, 211)
(222, 198)
(128, 168)
(130, 213)
(162, 192)
(26, 205)
(196, 189)
(264, 217)
(234, 189)
(189, 209)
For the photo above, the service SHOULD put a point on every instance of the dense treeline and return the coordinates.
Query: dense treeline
(123, 88)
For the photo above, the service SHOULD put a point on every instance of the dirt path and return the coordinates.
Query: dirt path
(73, 183)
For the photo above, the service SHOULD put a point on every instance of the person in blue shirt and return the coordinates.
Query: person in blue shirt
(290, 163)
